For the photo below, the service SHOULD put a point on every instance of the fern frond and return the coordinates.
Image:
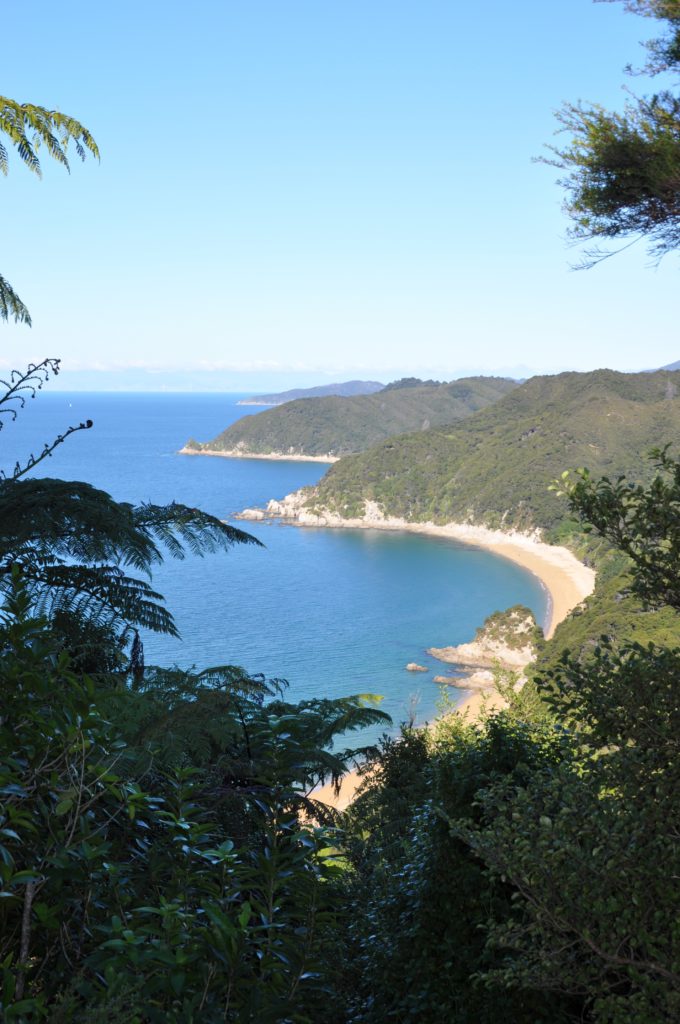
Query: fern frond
(33, 460)
(29, 127)
(180, 527)
(102, 594)
(25, 382)
(332, 717)
(71, 520)
(10, 303)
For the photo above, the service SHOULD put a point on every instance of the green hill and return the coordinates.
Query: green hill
(336, 426)
(494, 468)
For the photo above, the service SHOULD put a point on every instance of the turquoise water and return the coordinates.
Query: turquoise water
(333, 611)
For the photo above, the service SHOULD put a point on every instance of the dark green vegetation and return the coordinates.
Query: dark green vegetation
(495, 467)
(526, 868)
(164, 868)
(335, 426)
(345, 389)
(622, 168)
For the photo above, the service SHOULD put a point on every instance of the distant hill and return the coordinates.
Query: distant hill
(346, 389)
(672, 366)
(335, 426)
(494, 467)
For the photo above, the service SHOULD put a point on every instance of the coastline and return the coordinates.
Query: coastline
(273, 457)
(565, 579)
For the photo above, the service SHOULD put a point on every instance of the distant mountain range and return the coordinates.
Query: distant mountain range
(346, 389)
(334, 426)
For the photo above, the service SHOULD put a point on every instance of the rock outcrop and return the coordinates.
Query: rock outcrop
(507, 640)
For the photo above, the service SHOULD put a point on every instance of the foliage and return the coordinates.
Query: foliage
(74, 543)
(335, 426)
(420, 901)
(592, 844)
(119, 860)
(624, 168)
(611, 611)
(644, 523)
(528, 867)
(11, 305)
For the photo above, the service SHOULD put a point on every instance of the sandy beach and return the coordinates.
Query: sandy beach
(273, 457)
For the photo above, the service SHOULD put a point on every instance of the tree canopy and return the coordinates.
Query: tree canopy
(622, 168)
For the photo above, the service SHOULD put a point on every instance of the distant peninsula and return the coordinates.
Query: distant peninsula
(346, 389)
(330, 427)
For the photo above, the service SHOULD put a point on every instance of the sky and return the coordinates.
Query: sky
(297, 191)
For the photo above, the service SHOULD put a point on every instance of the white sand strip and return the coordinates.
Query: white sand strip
(271, 457)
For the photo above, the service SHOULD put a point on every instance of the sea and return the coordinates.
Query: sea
(334, 612)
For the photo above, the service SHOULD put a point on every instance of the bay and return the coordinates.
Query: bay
(332, 611)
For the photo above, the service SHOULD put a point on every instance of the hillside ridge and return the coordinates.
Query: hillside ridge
(333, 426)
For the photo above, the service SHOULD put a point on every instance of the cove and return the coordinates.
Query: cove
(332, 611)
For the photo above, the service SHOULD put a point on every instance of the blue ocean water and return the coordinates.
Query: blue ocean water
(333, 611)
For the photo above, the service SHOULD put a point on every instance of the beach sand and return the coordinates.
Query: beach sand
(277, 457)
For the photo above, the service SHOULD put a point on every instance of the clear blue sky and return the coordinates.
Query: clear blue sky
(298, 190)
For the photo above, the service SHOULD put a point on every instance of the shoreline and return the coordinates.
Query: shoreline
(565, 580)
(272, 457)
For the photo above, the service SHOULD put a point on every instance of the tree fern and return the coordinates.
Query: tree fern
(11, 305)
(29, 128)
(74, 543)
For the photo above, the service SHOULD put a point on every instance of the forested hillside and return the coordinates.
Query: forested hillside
(495, 467)
(335, 426)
